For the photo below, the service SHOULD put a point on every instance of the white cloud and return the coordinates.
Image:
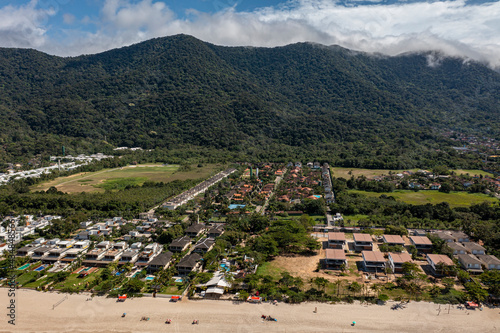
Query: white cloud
(68, 18)
(23, 26)
(453, 27)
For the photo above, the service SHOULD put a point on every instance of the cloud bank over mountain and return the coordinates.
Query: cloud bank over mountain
(457, 28)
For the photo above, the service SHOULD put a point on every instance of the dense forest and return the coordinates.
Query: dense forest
(180, 94)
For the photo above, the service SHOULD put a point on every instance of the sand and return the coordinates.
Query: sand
(35, 313)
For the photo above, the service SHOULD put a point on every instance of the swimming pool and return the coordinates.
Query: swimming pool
(235, 206)
(40, 268)
(87, 269)
(178, 280)
(150, 278)
(23, 267)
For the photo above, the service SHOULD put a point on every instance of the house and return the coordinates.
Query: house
(460, 236)
(457, 248)
(470, 263)
(373, 260)
(215, 232)
(336, 240)
(335, 258)
(435, 186)
(130, 255)
(436, 260)
(195, 230)
(446, 236)
(474, 248)
(160, 262)
(362, 242)
(421, 243)
(189, 263)
(396, 261)
(489, 261)
(149, 252)
(41, 252)
(26, 251)
(73, 253)
(55, 254)
(393, 240)
(180, 244)
(83, 235)
(215, 286)
(204, 245)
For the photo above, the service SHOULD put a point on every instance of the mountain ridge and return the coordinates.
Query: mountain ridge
(179, 91)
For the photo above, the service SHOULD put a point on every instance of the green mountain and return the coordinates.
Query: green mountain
(181, 93)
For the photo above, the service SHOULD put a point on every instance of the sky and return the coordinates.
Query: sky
(469, 29)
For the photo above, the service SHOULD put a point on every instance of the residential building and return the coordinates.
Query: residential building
(396, 261)
(393, 240)
(373, 260)
(180, 244)
(130, 255)
(489, 261)
(336, 240)
(335, 258)
(436, 260)
(215, 232)
(189, 263)
(474, 248)
(457, 248)
(470, 263)
(204, 245)
(195, 230)
(160, 262)
(421, 243)
(363, 242)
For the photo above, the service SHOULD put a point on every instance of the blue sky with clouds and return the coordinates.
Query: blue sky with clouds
(470, 29)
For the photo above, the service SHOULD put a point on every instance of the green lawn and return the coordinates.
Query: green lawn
(455, 199)
(268, 268)
(119, 178)
(370, 173)
(353, 219)
(25, 277)
(72, 281)
(176, 289)
(40, 282)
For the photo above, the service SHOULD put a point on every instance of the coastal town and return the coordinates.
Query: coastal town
(188, 247)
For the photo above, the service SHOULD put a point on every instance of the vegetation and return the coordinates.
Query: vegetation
(187, 98)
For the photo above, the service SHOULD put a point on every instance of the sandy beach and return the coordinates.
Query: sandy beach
(75, 313)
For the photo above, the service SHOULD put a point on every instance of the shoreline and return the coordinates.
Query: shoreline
(74, 313)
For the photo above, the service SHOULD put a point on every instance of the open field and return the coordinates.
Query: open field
(370, 173)
(119, 178)
(35, 312)
(455, 199)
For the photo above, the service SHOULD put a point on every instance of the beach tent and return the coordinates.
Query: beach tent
(175, 298)
(122, 298)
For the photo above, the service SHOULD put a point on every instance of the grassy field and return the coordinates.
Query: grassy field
(268, 268)
(455, 199)
(119, 178)
(370, 173)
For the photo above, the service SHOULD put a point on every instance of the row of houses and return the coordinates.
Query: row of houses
(190, 194)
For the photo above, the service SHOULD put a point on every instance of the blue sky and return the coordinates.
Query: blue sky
(470, 29)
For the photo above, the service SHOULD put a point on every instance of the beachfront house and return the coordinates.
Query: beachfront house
(160, 262)
(438, 263)
(474, 248)
(215, 286)
(470, 263)
(421, 243)
(188, 264)
(26, 251)
(336, 240)
(204, 245)
(393, 240)
(335, 259)
(396, 261)
(180, 244)
(489, 261)
(55, 254)
(373, 261)
(363, 242)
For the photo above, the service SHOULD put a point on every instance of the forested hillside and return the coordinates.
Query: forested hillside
(180, 93)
